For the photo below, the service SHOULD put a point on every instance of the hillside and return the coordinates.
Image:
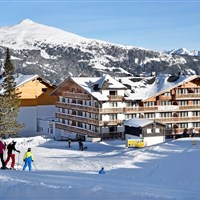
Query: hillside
(56, 54)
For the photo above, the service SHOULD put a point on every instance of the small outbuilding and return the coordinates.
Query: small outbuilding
(149, 131)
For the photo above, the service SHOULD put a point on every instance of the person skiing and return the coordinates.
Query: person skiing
(11, 148)
(2, 149)
(80, 145)
(28, 159)
(102, 171)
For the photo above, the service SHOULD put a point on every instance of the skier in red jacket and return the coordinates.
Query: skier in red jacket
(11, 148)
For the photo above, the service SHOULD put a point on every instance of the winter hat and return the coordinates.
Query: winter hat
(29, 149)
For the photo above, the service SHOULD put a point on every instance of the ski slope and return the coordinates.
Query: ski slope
(167, 171)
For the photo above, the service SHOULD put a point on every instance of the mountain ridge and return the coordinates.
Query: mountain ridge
(55, 54)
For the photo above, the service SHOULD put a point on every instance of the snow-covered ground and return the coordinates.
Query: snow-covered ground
(167, 171)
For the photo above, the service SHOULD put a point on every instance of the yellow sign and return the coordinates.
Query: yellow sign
(139, 143)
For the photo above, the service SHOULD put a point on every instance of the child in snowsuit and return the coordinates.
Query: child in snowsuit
(11, 148)
(2, 148)
(28, 159)
(102, 171)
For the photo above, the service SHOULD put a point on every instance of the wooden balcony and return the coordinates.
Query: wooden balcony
(110, 123)
(111, 110)
(77, 130)
(162, 97)
(89, 108)
(178, 119)
(88, 120)
(78, 118)
(77, 107)
(73, 95)
(188, 96)
(115, 97)
(161, 108)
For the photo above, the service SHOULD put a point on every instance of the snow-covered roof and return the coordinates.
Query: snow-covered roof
(138, 122)
(93, 85)
(152, 86)
(21, 79)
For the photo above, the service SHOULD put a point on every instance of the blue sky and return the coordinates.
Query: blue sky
(156, 25)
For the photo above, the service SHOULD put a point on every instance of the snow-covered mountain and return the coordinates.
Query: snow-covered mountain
(183, 51)
(55, 54)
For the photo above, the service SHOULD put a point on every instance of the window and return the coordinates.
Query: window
(182, 91)
(113, 129)
(113, 104)
(112, 117)
(167, 94)
(196, 124)
(196, 102)
(196, 113)
(113, 93)
(44, 89)
(149, 103)
(149, 115)
(79, 101)
(165, 115)
(183, 114)
(63, 99)
(165, 103)
(183, 103)
(183, 125)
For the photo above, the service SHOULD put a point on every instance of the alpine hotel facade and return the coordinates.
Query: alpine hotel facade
(98, 106)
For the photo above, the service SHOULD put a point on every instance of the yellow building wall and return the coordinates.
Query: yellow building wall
(32, 94)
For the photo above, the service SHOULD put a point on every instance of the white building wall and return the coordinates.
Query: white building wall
(154, 140)
(46, 111)
(28, 117)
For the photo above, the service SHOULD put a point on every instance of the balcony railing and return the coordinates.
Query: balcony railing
(73, 95)
(111, 110)
(78, 119)
(178, 119)
(161, 108)
(187, 96)
(88, 108)
(77, 130)
(115, 97)
(89, 120)
(77, 107)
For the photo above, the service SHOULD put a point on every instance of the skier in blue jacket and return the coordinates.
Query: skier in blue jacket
(28, 159)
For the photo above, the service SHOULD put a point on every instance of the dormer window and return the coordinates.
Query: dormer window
(114, 93)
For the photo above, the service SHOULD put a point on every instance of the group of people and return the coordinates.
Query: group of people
(28, 156)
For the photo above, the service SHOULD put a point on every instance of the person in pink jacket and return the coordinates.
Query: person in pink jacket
(2, 148)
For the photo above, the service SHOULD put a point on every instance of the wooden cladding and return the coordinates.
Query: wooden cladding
(95, 122)
(160, 108)
(115, 98)
(74, 95)
(76, 130)
(178, 119)
(187, 96)
(89, 108)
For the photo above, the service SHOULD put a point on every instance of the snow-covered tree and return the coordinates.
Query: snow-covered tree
(9, 101)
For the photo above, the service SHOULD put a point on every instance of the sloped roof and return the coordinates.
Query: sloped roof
(153, 86)
(140, 122)
(88, 85)
(22, 79)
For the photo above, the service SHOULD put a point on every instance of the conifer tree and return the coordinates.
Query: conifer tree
(9, 101)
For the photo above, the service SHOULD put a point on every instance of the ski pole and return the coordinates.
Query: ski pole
(34, 166)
